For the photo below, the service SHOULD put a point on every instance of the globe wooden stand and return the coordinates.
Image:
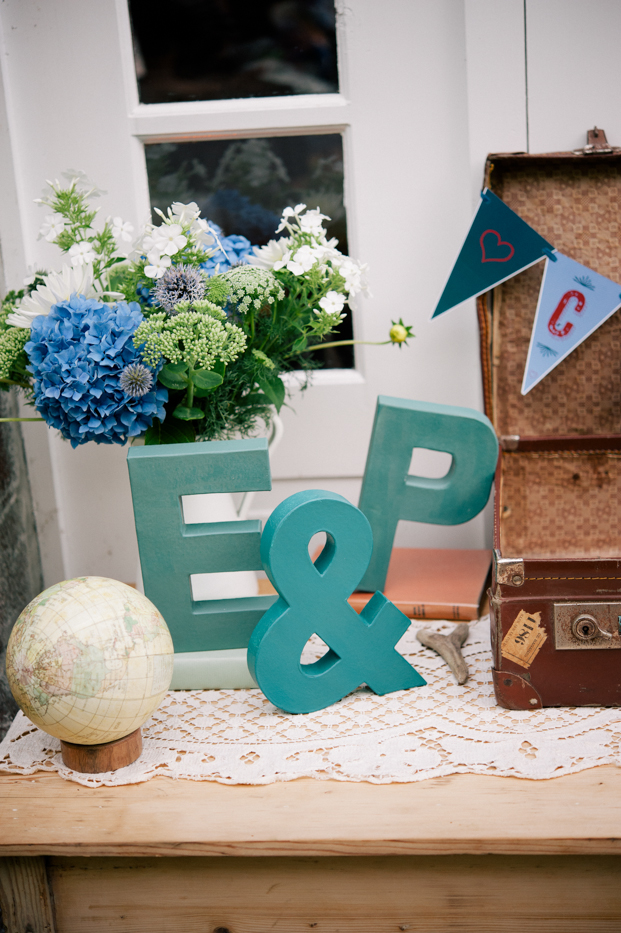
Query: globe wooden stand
(109, 756)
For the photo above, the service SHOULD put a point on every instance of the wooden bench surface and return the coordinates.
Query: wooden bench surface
(42, 814)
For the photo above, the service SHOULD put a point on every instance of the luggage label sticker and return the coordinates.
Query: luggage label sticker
(524, 639)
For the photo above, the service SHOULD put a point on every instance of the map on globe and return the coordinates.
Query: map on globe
(89, 660)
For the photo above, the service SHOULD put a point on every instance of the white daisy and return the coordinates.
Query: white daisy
(273, 252)
(59, 286)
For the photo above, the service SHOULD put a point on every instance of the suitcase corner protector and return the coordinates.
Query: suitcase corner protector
(515, 692)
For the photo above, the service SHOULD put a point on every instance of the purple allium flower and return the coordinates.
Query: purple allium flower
(179, 283)
(77, 354)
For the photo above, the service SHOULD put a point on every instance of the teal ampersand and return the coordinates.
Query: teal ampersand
(313, 600)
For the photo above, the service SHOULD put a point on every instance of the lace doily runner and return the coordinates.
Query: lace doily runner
(238, 737)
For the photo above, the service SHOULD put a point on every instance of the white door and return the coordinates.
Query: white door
(426, 89)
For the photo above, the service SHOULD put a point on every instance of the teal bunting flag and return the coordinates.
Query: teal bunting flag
(498, 245)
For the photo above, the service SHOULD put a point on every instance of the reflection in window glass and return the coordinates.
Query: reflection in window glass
(243, 186)
(222, 49)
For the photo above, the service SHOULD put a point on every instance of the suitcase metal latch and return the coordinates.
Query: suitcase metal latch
(587, 625)
(508, 570)
(596, 144)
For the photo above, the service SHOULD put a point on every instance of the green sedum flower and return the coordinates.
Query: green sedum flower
(12, 357)
(204, 306)
(189, 337)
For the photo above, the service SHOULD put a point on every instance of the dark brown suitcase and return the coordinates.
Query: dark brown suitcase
(556, 579)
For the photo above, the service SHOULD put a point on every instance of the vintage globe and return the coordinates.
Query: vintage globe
(89, 660)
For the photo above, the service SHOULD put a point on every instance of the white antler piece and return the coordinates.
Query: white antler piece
(449, 648)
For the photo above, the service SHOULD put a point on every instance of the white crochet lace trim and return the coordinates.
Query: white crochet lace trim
(238, 737)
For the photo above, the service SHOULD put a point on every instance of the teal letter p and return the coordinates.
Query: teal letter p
(389, 493)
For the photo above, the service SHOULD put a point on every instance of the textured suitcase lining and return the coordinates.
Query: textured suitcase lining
(577, 207)
(561, 504)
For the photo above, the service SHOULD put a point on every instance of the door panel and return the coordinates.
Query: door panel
(426, 90)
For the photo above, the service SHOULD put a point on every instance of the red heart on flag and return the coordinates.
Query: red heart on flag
(492, 247)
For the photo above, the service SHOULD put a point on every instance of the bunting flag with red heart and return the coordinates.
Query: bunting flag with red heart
(573, 302)
(498, 245)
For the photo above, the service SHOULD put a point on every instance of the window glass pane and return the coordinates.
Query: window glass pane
(222, 49)
(243, 186)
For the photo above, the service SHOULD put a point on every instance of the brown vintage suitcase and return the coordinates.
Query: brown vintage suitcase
(556, 580)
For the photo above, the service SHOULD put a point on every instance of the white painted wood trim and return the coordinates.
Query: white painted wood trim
(273, 116)
(323, 377)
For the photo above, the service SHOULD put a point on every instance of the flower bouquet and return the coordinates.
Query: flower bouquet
(183, 338)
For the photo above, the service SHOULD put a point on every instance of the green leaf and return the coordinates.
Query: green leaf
(205, 379)
(169, 433)
(300, 344)
(153, 434)
(274, 388)
(219, 367)
(176, 367)
(188, 414)
(173, 379)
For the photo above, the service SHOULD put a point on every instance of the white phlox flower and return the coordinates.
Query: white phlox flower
(184, 214)
(122, 230)
(302, 260)
(353, 273)
(53, 225)
(169, 239)
(59, 286)
(77, 178)
(312, 222)
(82, 253)
(202, 233)
(158, 265)
(329, 320)
(147, 243)
(290, 212)
(333, 302)
(293, 211)
(267, 256)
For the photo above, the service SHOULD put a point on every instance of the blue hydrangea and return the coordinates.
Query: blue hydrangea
(238, 250)
(146, 295)
(77, 354)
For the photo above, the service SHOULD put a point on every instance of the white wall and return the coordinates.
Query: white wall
(84, 515)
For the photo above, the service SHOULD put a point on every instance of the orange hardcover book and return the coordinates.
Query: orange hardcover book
(434, 583)
(429, 583)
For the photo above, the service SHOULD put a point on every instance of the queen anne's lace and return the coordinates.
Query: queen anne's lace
(238, 737)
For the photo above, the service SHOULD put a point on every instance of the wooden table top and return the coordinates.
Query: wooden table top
(42, 814)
